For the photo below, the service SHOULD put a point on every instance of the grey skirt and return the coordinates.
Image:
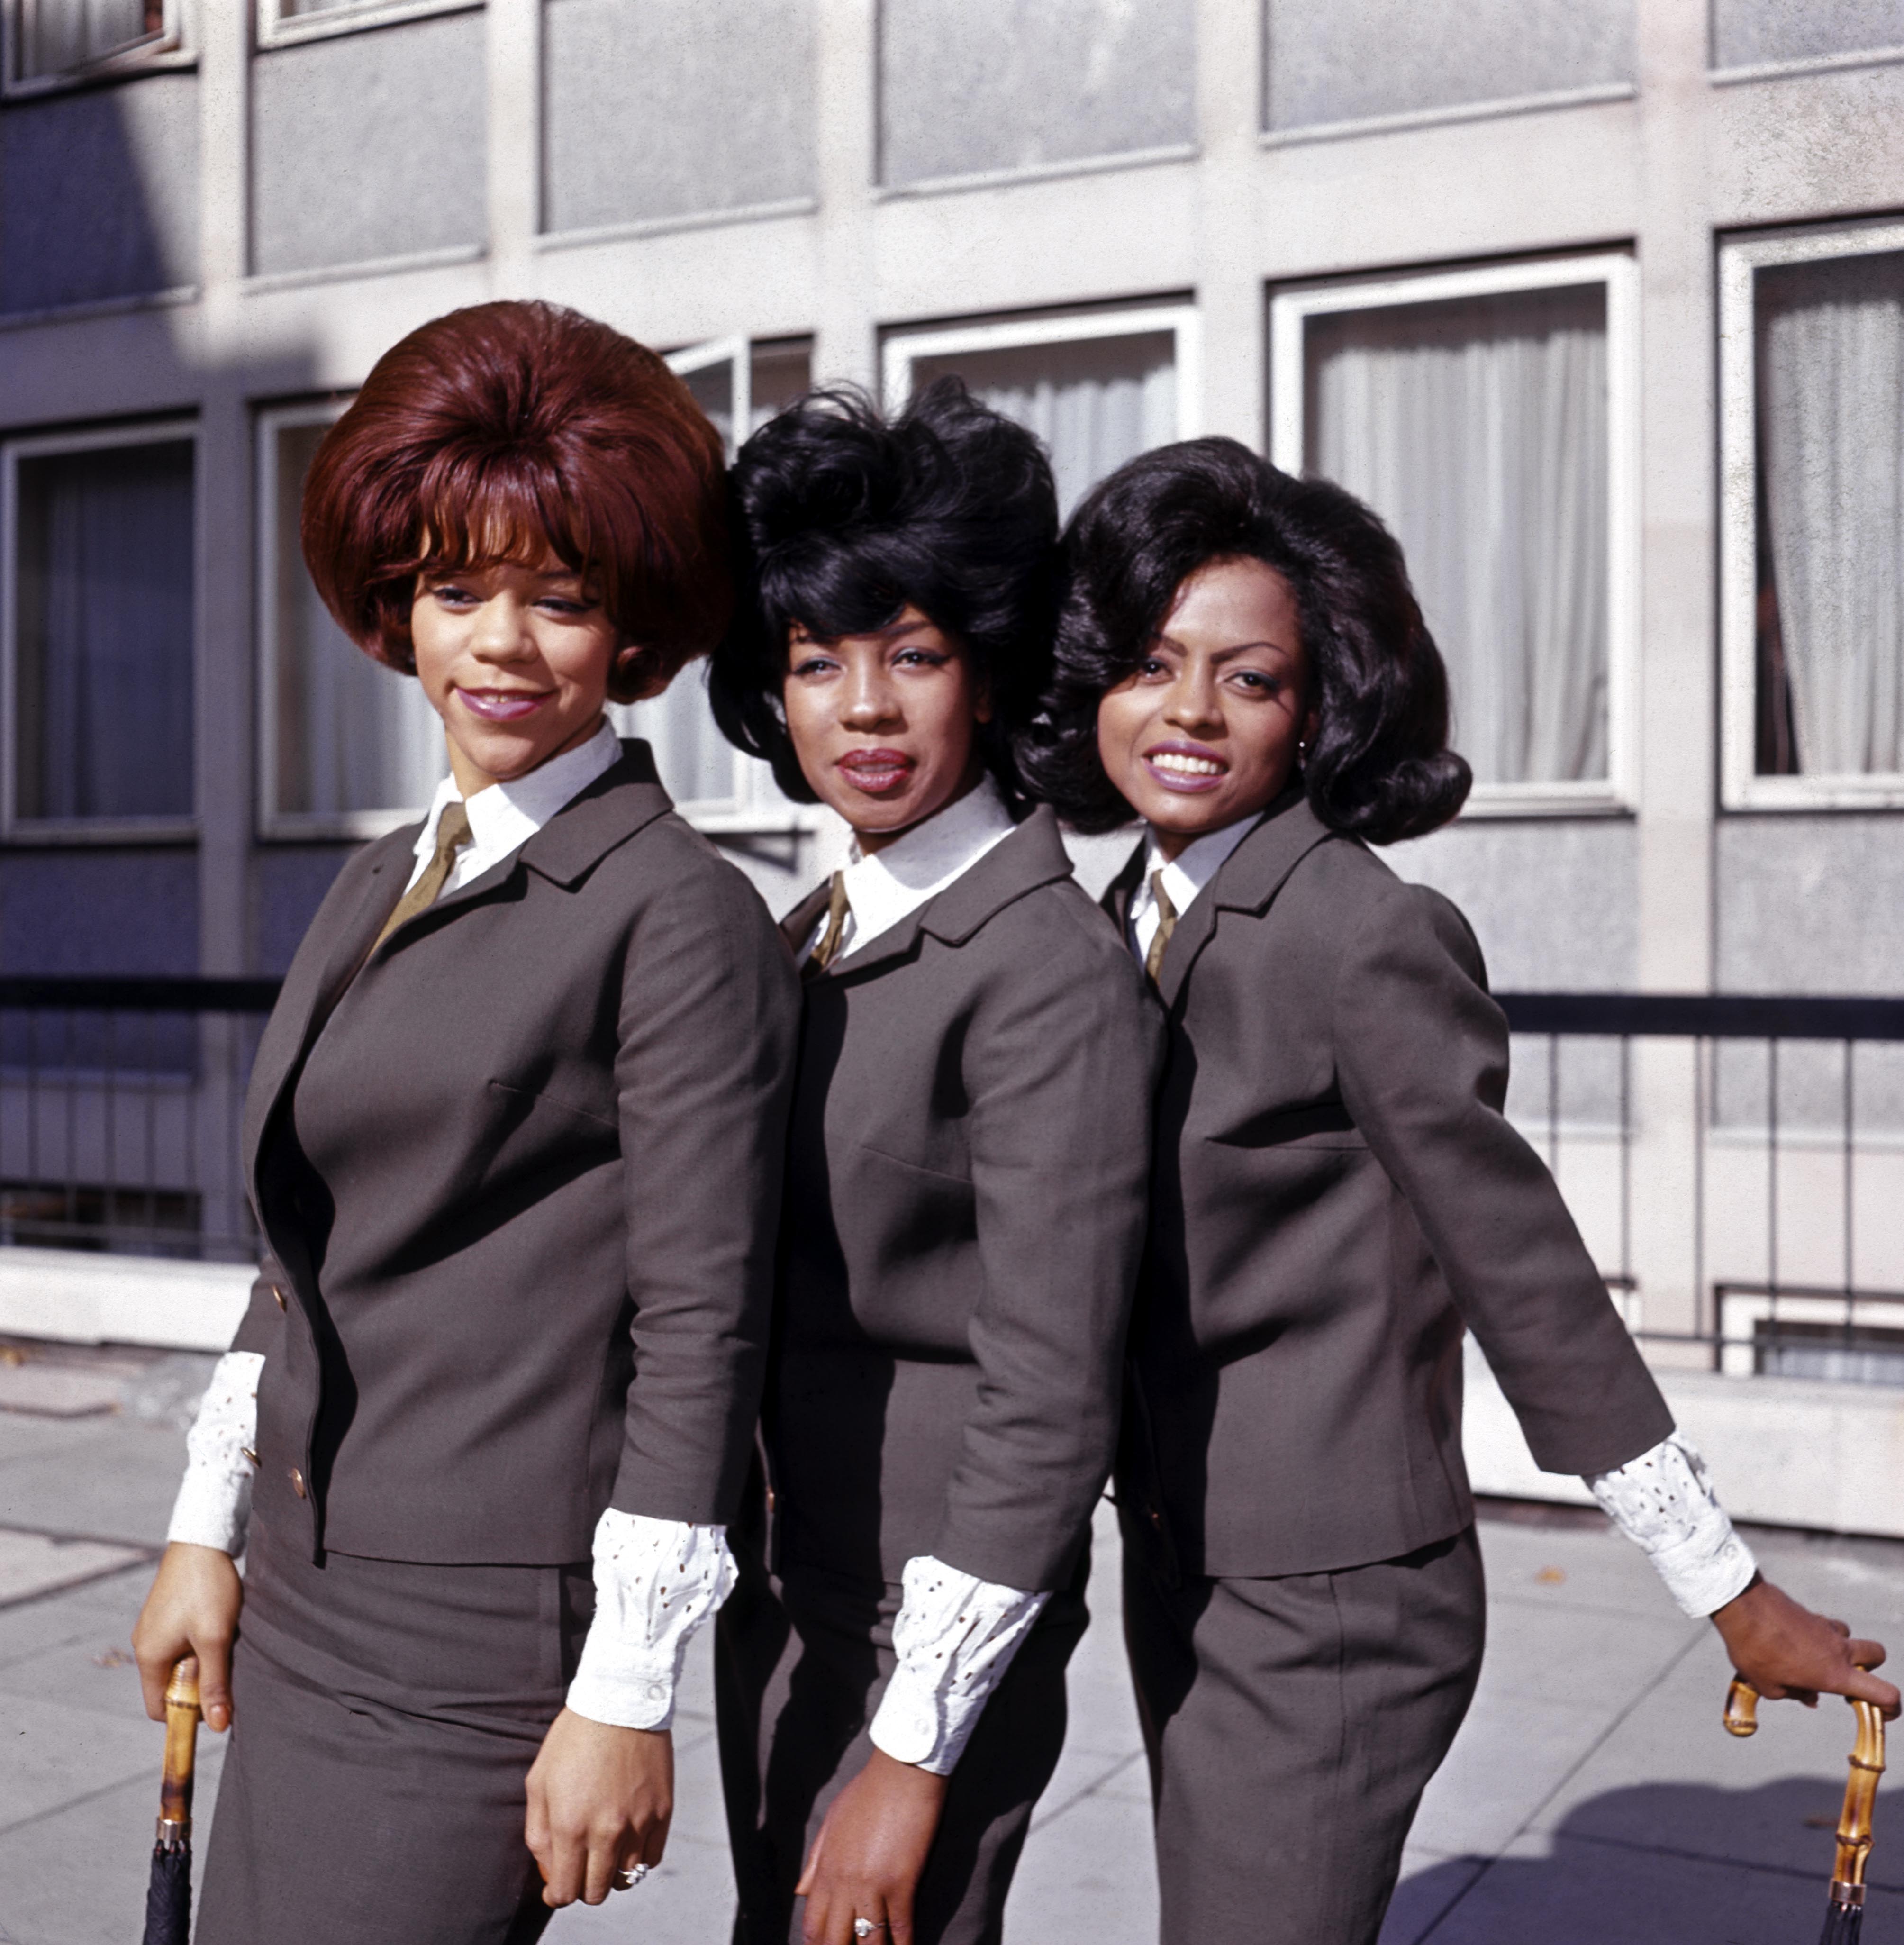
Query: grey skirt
(799, 1667)
(385, 1716)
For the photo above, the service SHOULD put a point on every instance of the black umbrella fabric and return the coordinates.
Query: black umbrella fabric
(1844, 1915)
(168, 1895)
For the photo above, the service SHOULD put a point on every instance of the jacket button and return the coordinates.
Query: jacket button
(277, 1291)
(773, 1499)
(1156, 1518)
(298, 1482)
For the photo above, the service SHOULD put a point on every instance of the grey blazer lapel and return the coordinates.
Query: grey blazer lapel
(1121, 888)
(797, 928)
(1248, 879)
(1033, 855)
(308, 997)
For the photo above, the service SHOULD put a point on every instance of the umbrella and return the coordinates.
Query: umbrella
(1844, 1915)
(168, 1896)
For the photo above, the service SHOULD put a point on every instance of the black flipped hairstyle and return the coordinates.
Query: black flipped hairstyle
(1378, 765)
(846, 517)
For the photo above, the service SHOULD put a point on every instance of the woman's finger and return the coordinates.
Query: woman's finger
(603, 1860)
(1866, 1653)
(215, 1679)
(1868, 1687)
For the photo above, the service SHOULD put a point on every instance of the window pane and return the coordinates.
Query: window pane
(1830, 514)
(1477, 429)
(713, 387)
(56, 35)
(697, 763)
(352, 735)
(104, 681)
(1095, 402)
(781, 373)
(1353, 59)
(1746, 32)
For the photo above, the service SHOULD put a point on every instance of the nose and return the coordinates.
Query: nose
(499, 629)
(1193, 705)
(870, 702)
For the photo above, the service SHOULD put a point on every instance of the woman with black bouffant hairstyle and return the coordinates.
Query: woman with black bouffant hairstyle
(967, 1172)
(1242, 663)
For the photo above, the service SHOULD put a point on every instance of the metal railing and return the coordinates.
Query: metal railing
(1737, 1163)
(119, 1106)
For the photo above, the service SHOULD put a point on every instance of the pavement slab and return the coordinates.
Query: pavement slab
(1591, 1799)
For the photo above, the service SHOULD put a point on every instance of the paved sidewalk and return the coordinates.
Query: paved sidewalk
(1592, 1796)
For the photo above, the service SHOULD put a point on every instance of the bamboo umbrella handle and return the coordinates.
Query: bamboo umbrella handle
(181, 1752)
(1860, 1797)
(1742, 1708)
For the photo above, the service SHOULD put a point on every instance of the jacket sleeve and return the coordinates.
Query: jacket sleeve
(709, 1018)
(1422, 1060)
(1060, 1064)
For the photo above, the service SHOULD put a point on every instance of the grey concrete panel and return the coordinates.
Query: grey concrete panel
(99, 911)
(101, 194)
(1359, 58)
(288, 884)
(369, 145)
(1555, 903)
(1746, 32)
(659, 108)
(968, 86)
(1841, 874)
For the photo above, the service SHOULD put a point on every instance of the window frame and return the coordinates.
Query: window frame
(83, 831)
(274, 825)
(902, 346)
(756, 807)
(1617, 793)
(1740, 260)
(276, 30)
(171, 47)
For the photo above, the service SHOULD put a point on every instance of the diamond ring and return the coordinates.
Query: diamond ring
(627, 1879)
(865, 1927)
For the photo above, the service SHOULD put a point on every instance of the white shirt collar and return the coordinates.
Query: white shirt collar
(901, 876)
(1184, 876)
(504, 817)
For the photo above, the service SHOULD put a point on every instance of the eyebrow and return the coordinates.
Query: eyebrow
(1234, 649)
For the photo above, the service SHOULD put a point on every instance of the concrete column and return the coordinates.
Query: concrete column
(515, 101)
(1678, 692)
(846, 346)
(225, 711)
(1229, 287)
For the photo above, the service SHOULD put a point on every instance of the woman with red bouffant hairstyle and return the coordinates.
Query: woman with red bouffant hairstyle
(513, 1137)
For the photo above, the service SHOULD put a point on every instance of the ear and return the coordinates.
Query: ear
(981, 702)
(637, 675)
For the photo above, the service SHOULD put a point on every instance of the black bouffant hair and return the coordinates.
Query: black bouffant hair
(847, 516)
(1378, 765)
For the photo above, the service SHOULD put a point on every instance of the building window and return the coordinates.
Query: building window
(99, 633)
(1811, 331)
(349, 748)
(52, 42)
(740, 386)
(282, 22)
(1097, 389)
(1490, 417)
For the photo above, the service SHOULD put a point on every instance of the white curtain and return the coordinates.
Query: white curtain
(352, 736)
(696, 761)
(1477, 430)
(1094, 402)
(60, 34)
(105, 680)
(1830, 366)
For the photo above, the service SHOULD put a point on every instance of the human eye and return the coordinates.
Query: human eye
(917, 657)
(1153, 668)
(452, 594)
(1258, 683)
(809, 666)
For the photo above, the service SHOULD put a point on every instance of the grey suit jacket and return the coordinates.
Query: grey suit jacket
(1337, 1192)
(520, 1180)
(964, 1218)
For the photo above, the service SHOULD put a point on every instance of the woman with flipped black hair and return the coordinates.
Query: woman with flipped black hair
(1241, 662)
(968, 1164)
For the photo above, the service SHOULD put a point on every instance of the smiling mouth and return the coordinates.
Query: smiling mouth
(503, 705)
(877, 772)
(1179, 768)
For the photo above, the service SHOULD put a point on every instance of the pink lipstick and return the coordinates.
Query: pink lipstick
(1185, 769)
(503, 705)
(877, 772)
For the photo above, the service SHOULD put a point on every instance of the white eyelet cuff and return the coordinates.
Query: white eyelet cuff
(656, 1581)
(954, 1636)
(1664, 1502)
(213, 1506)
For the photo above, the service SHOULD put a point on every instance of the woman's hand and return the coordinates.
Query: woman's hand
(1786, 1652)
(600, 1800)
(193, 1609)
(865, 1861)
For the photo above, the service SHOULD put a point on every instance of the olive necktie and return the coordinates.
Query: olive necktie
(828, 950)
(452, 834)
(1166, 923)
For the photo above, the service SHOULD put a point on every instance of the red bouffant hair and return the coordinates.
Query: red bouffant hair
(497, 430)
